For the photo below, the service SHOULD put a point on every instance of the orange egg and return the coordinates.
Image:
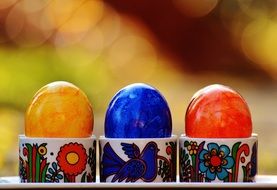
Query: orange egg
(59, 109)
(218, 111)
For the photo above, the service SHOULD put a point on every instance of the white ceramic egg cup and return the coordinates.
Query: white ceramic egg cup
(57, 160)
(138, 159)
(218, 159)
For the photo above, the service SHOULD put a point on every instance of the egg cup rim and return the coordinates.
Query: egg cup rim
(174, 137)
(23, 136)
(253, 136)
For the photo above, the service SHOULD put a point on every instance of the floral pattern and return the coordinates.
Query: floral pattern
(167, 167)
(91, 176)
(215, 161)
(72, 159)
(192, 147)
(34, 167)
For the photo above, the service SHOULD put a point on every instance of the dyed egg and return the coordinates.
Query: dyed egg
(59, 109)
(217, 111)
(138, 111)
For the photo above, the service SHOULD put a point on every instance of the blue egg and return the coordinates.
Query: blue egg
(138, 111)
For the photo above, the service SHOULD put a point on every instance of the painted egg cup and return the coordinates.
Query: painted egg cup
(138, 160)
(218, 159)
(57, 160)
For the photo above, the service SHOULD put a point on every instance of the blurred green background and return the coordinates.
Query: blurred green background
(178, 46)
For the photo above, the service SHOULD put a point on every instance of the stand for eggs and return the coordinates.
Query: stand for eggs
(152, 148)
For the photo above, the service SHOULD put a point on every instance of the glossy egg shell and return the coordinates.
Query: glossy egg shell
(138, 111)
(217, 111)
(59, 109)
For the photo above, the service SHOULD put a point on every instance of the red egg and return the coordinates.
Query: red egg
(217, 111)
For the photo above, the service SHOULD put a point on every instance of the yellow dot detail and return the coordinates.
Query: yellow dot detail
(42, 150)
(72, 158)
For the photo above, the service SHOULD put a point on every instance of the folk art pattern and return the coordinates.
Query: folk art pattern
(70, 162)
(199, 162)
(144, 165)
(217, 162)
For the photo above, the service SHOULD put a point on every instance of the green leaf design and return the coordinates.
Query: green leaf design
(43, 175)
(30, 163)
(65, 178)
(186, 143)
(83, 179)
(234, 155)
(186, 156)
(43, 144)
(37, 166)
(235, 149)
(244, 173)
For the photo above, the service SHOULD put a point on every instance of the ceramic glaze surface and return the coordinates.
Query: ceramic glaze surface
(217, 111)
(138, 111)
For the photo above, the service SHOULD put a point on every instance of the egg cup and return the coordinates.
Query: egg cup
(57, 160)
(138, 160)
(218, 159)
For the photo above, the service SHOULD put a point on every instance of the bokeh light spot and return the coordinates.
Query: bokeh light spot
(134, 56)
(6, 3)
(78, 22)
(195, 8)
(23, 32)
(259, 43)
(31, 6)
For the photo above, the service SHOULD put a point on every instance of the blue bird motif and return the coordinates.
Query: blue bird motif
(141, 165)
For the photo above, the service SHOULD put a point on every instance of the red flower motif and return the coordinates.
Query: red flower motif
(72, 159)
(168, 150)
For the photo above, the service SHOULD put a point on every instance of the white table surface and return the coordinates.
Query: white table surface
(262, 181)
